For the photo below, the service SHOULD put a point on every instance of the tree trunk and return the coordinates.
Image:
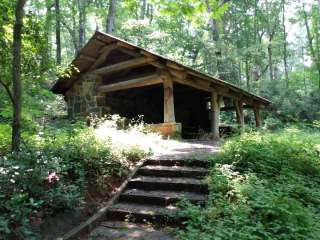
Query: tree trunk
(143, 9)
(270, 59)
(82, 21)
(215, 37)
(317, 43)
(58, 32)
(247, 74)
(270, 38)
(46, 50)
(111, 17)
(285, 54)
(16, 75)
(314, 56)
(150, 12)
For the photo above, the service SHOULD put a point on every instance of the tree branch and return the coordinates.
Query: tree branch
(6, 87)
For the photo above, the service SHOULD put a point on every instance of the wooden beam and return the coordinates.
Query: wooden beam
(104, 53)
(88, 58)
(168, 100)
(132, 83)
(174, 66)
(195, 83)
(257, 116)
(141, 53)
(178, 74)
(239, 112)
(126, 45)
(123, 65)
(230, 108)
(216, 101)
(181, 77)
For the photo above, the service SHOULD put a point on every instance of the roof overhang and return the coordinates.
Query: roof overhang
(89, 54)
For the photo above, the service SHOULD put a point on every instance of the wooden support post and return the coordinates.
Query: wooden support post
(215, 114)
(168, 99)
(239, 112)
(257, 116)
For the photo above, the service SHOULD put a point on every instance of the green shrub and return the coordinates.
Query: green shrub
(5, 137)
(134, 153)
(52, 172)
(262, 186)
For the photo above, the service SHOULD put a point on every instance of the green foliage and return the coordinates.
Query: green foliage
(294, 105)
(5, 137)
(262, 186)
(52, 172)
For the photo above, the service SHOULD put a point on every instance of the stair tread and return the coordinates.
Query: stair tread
(166, 194)
(135, 208)
(179, 161)
(177, 180)
(175, 168)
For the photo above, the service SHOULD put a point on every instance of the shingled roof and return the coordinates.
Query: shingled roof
(91, 52)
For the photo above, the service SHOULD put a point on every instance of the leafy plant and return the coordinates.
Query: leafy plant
(262, 186)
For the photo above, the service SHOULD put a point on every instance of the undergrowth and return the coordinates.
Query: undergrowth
(57, 165)
(262, 186)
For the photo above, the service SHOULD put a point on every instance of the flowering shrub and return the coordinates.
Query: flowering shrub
(54, 169)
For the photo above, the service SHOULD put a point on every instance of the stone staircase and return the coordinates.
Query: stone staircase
(152, 193)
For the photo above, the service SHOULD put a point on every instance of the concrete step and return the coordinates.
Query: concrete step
(133, 231)
(178, 162)
(168, 184)
(161, 198)
(141, 213)
(173, 171)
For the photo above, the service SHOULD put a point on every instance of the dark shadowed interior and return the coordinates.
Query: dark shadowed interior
(190, 106)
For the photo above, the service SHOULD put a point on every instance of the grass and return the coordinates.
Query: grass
(262, 186)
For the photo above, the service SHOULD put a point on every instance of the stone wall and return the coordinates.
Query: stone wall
(82, 98)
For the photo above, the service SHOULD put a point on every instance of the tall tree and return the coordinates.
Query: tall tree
(82, 5)
(214, 36)
(143, 9)
(313, 46)
(16, 75)
(271, 32)
(58, 31)
(285, 52)
(111, 16)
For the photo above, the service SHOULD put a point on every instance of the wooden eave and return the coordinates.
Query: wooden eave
(92, 54)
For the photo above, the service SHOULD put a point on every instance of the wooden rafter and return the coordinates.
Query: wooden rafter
(123, 65)
(141, 53)
(104, 53)
(87, 58)
(132, 83)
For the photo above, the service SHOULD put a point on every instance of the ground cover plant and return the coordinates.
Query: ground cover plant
(58, 168)
(262, 186)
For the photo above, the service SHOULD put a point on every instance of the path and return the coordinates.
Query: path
(149, 199)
